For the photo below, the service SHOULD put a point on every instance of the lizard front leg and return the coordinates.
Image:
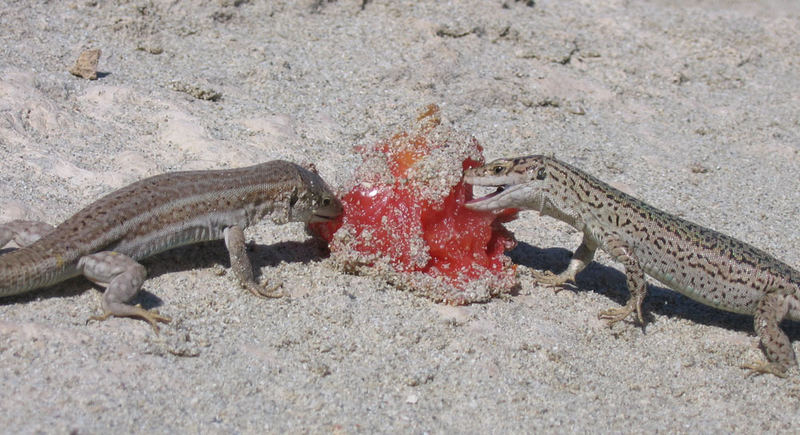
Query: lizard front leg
(637, 283)
(776, 345)
(243, 269)
(23, 233)
(122, 277)
(580, 259)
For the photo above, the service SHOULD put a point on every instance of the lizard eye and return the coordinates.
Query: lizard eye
(541, 174)
(497, 169)
(326, 202)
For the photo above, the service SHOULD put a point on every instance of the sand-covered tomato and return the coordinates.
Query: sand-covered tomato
(404, 218)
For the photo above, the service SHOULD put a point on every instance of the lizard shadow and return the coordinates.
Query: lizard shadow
(70, 287)
(209, 254)
(612, 283)
(199, 255)
(76, 286)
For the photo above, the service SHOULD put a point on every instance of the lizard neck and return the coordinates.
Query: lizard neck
(568, 194)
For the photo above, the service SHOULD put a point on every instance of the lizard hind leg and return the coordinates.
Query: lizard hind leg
(776, 345)
(122, 277)
(637, 285)
(638, 289)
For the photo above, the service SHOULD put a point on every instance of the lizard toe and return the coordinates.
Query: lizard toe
(549, 279)
(763, 367)
(266, 290)
(150, 316)
(614, 315)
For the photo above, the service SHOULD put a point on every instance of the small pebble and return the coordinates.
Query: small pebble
(86, 65)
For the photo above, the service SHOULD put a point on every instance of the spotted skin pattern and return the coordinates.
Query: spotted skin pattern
(703, 264)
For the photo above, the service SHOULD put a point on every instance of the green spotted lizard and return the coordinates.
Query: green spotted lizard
(698, 262)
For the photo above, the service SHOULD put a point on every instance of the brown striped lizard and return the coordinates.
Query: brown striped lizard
(707, 266)
(105, 240)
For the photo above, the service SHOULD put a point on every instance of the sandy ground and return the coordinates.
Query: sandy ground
(690, 105)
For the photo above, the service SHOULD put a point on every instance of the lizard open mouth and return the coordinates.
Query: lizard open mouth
(321, 218)
(499, 190)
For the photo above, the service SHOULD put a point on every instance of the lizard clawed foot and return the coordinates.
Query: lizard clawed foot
(763, 367)
(265, 290)
(614, 315)
(550, 279)
(150, 316)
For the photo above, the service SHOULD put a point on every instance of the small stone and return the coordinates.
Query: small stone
(201, 93)
(86, 65)
(152, 49)
(699, 168)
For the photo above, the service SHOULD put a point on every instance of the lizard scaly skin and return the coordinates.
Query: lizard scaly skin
(105, 240)
(705, 265)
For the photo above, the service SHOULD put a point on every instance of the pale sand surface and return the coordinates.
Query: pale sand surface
(691, 105)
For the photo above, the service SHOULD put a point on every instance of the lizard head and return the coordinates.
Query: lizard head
(518, 180)
(314, 201)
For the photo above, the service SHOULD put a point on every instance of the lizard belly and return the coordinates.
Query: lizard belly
(695, 277)
(706, 290)
(715, 280)
(794, 307)
(142, 244)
